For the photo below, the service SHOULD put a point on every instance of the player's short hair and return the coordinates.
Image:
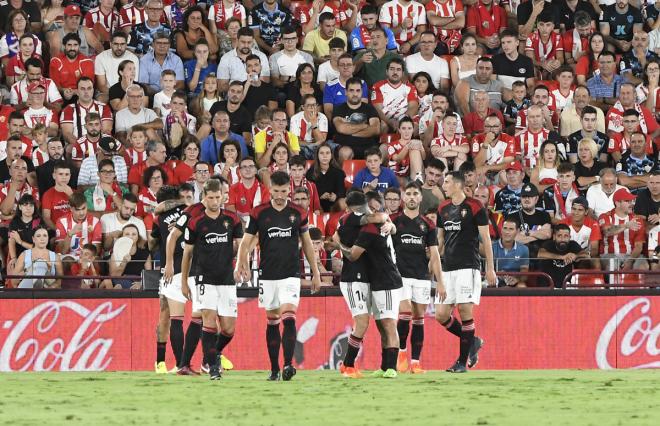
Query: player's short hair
(16, 115)
(185, 187)
(244, 159)
(374, 150)
(395, 60)
(457, 177)
(565, 167)
(337, 43)
(393, 190)
(212, 185)
(166, 193)
(245, 32)
(546, 16)
(508, 33)
(279, 178)
(33, 62)
(353, 80)
(541, 87)
(119, 34)
(315, 233)
(77, 200)
(435, 163)
(92, 116)
(130, 197)
(369, 9)
(355, 198)
(298, 160)
(252, 57)
(70, 36)
(301, 190)
(485, 59)
(289, 29)
(607, 53)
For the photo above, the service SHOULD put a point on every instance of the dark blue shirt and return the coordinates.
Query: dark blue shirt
(511, 260)
(268, 23)
(210, 147)
(142, 37)
(189, 70)
(386, 179)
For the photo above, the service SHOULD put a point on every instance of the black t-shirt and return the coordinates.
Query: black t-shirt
(460, 224)
(241, 119)
(583, 171)
(601, 139)
(136, 265)
(558, 269)
(258, 96)
(524, 12)
(162, 231)
(293, 94)
(279, 233)
(331, 181)
(522, 67)
(383, 273)
(4, 169)
(644, 204)
(532, 222)
(45, 176)
(348, 231)
(360, 115)
(413, 237)
(213, 241)
(25, 230)
(31, 7)
(567, 16)
(621, 25)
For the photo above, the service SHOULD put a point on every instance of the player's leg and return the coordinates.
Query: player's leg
(444, 308)
(386, 313)
(177, 312)
(417, 337)
(161, 335)
(288, 294)
(273, 342)
(227, 313)
(356, 295)
(194, 331)
(209, 336)
(403, 326)
(468, 294)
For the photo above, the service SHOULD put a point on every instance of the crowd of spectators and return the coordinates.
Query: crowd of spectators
(549, 108)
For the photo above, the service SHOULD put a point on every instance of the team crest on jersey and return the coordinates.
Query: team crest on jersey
(463, 212)
(243, 200)
(226, 223)
(422, 227)
(292, 218)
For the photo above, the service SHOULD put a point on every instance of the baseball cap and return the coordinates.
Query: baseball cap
(582, 201)
(529, 190)
(622, 194)
(515, 165)
(33, 86)
(72, 10)
(109, 144)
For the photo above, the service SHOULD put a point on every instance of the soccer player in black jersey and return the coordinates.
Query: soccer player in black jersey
(416, 245)
(210, 238)
(462, 221)
(280, 225)
(354, 281)
(172, 301)
(385, 284)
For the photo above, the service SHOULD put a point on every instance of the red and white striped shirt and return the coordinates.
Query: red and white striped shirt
(614, 117)
(90, 232)
(401, 168)
(95, 16)
(26, 189)
(544, 51)
(393, 13)
(75, 114)
(303, 128)
(83, 148)
(130, 16)
(133, 157)
(528, 145)
(18, 93)
(619, 143)
(39, 157)
(340, 11)
(622, 242)
(588, 232)
(219, 13)
(505, 147)
(395, 99)
(572, 42)
(444, 9)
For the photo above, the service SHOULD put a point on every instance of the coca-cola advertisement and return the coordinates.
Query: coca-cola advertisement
(521, 332)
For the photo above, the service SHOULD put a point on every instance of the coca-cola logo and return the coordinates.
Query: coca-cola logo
(27, 347)
(640, 339)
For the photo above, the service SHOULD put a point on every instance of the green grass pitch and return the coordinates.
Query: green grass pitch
(557, 397)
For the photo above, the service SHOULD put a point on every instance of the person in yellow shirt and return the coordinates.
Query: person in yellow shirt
(266, 140)
(316, 41)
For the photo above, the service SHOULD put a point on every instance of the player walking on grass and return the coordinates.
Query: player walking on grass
(354, 281)
(174, 243)
(461, 222)
(385, 285)
(210, 239)
(280, 225)
(415, 242)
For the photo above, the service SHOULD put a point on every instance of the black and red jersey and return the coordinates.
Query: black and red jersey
(348, 231)
(383, 273)
(460, 224)
(162, 231)
(213, 241)
(413, 237)
(279, 232)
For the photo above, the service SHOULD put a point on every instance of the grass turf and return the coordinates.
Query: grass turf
(557, 397)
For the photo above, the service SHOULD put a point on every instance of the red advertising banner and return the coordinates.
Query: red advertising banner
(521, 332)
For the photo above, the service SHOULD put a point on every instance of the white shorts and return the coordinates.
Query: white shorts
(173, 290)
(219, 298)
(385, 304)
(418, 291)
(462, 285)
(357, 296)
(275, 293)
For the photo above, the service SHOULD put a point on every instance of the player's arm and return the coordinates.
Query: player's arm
(441, 241)
(167, 205)
(352, 253)
(436, 271)
(185, 269)
(488, 251)
(170, 245)
(388, 228)
(308, 249)
(242, 270)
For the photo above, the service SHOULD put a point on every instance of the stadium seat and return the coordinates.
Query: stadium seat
(387, 138)
(317, 221)
(351, 167)
(631, 280)
(331, 221)
(587, 280)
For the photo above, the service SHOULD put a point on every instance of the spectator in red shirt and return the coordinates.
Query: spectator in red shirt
(77, 228)
(156, 156)
(67, 68)
(297, 168)
(624, 233)
(55, 203)
(14, 189)
(15, 69)
(249, 192)
(487, 21)
(473, 122)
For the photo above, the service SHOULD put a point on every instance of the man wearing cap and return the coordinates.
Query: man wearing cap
(624, 234)
(558, 198)
(108, 149)
(535, 223)
(157, 60)
(584, 230)
(89, 43)
(34, 73)
(38, 112)
(507, 199)
(68, 67)
(636, 164)
(599, 196)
